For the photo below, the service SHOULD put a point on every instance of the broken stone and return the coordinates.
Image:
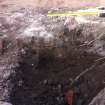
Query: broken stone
(5, 103)
(56, 55)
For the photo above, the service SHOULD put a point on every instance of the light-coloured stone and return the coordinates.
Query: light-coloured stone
(5, 103)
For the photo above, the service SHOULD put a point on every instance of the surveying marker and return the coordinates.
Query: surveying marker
(98, 13)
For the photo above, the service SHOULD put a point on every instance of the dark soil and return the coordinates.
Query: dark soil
(44, 72)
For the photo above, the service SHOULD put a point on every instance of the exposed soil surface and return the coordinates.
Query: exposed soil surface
(44, 57)
(10, 5)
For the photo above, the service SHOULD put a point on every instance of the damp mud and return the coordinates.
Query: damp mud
(42, 58)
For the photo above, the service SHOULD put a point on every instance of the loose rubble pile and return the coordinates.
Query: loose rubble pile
(43, 57)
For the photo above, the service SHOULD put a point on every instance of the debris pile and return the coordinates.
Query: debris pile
(42, 58)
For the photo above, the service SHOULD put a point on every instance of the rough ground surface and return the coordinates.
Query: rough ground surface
(44, 57)
(99, 99)
(8, 5)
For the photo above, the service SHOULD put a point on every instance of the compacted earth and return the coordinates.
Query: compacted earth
(42, 58)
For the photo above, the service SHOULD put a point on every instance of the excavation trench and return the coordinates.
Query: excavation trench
(51, 56)
(43, 78)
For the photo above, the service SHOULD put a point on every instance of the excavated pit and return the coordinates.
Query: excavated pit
(44, 57)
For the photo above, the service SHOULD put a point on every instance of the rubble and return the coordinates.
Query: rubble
(44, 57)
(5, 103)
